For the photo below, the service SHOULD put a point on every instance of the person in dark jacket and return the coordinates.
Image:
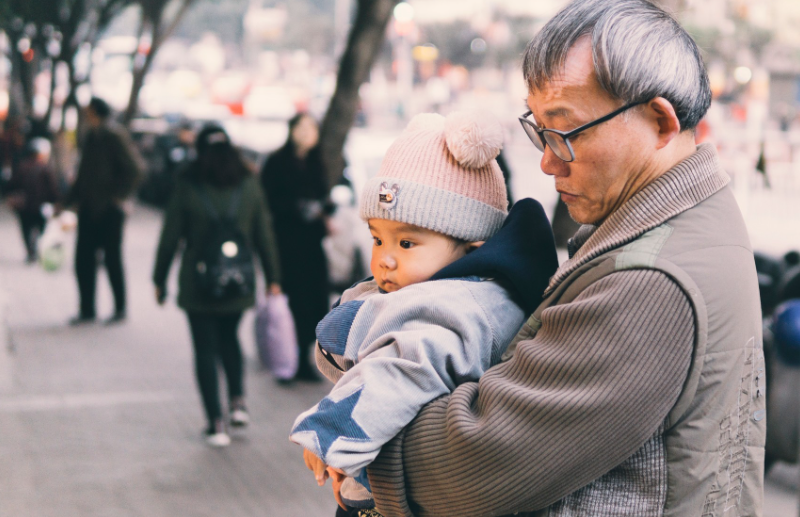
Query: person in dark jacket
(218, 177)
(109, 170)
(31, 186)
(294, 181)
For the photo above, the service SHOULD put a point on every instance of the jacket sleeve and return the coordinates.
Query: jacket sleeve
(406, 358)
(130, 164)
(585, 393)
(172, 231)
(265, 241)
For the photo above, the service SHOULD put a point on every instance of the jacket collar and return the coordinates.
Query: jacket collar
(686, 185)
(521, 255)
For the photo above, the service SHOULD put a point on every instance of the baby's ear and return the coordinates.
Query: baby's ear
(472, 246)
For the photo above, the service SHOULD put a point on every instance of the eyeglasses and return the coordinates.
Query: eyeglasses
(559, 140)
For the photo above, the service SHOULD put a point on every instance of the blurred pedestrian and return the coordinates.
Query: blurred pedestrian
(32, 184)
(294, 181)
(761, 166)
(12, 146)
(109, 170)
(217, 193)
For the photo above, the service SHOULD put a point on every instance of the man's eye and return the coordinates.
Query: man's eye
(406, 244)
(377, 241)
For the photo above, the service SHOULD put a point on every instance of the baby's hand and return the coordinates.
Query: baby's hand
(337, 478)
(316, 465)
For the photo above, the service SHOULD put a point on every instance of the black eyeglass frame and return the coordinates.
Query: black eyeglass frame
(566, 135)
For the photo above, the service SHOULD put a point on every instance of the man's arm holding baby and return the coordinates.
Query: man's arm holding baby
(560, 414)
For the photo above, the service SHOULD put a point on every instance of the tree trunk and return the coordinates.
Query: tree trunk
(139, 72)
(363, 45)
(21, 80)
(72, 98)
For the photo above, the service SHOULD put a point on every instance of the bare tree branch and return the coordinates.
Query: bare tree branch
(153, 13)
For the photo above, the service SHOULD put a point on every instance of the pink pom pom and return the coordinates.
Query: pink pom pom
(474, 139)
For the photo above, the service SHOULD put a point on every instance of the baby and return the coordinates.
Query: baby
(454, 276)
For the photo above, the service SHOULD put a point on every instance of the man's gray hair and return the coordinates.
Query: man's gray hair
(639, 51)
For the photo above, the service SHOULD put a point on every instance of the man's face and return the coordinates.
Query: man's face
(608, 157)
(403, 254)
(92, 119)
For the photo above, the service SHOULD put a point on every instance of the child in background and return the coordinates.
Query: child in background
(454, 277)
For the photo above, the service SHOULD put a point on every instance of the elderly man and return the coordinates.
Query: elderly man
(636, 388)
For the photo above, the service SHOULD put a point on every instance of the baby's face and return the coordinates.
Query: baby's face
(403, 254)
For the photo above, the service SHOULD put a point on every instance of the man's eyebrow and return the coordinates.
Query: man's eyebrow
(558, 112)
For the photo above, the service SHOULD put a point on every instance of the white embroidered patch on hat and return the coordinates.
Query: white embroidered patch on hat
(387, 197)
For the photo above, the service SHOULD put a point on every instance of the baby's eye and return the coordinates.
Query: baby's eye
(377, 241)
(406, 244)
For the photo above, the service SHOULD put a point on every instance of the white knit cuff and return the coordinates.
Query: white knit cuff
(429, 207)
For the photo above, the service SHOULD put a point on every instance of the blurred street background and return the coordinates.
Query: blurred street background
(105, 420)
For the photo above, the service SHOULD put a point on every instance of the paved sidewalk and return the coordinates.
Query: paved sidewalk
(106, 421)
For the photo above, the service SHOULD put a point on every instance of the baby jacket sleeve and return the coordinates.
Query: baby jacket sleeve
(406, 349)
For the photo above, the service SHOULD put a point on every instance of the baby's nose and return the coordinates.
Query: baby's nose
(389, 262)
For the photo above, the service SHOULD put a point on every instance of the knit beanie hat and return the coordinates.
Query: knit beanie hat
(441, 174)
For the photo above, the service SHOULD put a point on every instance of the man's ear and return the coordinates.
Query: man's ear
(472, 246)
(664, 116)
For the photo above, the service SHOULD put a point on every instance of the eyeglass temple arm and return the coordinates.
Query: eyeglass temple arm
(602, 119)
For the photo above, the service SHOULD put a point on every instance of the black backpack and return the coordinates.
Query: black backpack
(224, 268)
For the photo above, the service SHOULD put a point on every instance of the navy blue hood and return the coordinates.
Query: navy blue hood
(521, 255)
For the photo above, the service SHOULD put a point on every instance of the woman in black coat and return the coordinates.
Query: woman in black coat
(216, 199)
(294, 182)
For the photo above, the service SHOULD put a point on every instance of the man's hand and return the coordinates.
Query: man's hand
(337, 478)
(316, 465)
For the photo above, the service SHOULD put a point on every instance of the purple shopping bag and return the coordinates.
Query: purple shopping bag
(276, 338)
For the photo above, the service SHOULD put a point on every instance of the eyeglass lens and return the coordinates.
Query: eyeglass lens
(559, 145)
(534, 136)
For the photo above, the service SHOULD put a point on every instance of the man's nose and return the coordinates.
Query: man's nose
(552, 165)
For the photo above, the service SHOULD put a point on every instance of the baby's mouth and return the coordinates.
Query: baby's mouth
(388, 285)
